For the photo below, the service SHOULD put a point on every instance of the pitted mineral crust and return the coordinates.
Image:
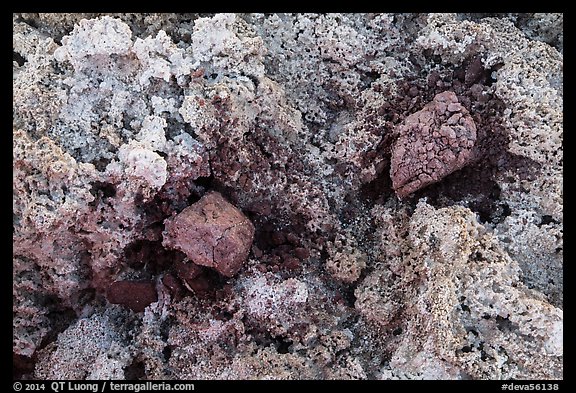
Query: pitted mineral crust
(228, 196)
(432, 143)
(211, 232)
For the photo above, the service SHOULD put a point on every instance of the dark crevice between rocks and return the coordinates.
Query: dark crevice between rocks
(18, 18)
(174, 127)
(282, 344)
(505, 325)
(346, 294)
(351, 320)
(547, 219)
(164, 335)
(127, 126)
(100, 164)
(200, 186)
(29, 21)
(135, 371)
(475, 187)
(471, 187)
(60, 318)
(280, 248)
(55, 32)
(18, 58)
(167, 353)
(263, 339)
(155, 210)
(368, 77)
(83, 297)
(150, 257)
(101, 191)
(206, 284)
(378, 190)
(189, 130)
(522, 22)
(22, 366)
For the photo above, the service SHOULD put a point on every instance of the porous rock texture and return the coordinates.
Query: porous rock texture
(284, 196)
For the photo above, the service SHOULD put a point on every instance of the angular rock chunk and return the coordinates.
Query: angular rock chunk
(432, 143)
(211, 232)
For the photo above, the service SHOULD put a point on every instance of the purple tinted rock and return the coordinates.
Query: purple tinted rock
(432, 143)
(211, 232)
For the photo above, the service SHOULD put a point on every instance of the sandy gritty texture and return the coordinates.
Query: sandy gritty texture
(339, 196)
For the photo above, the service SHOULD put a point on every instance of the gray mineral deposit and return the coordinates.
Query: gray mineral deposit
(287, 196)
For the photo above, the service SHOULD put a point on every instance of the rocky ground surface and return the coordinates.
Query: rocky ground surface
(283, 196)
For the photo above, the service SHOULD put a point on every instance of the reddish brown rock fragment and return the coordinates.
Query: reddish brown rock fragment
(173, 285)
(194, 277)
(301, 253)
(211, 232)
(291, 263)
(201, 285)
(432, 143)
(187, 271)
(474, 71)
(278, 238)
(136, 295)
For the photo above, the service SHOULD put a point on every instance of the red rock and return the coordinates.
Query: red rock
(211, 232)
(173, 285)
(278, 238)
(291, 263)
(136, 295)
(187, 271)
(194, 277)
(301, 253)
(432, 143)
(201, 285)
(292, 239)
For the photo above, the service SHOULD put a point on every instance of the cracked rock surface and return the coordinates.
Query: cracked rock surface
(432, 143)
(211, 232)
(287, 196)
